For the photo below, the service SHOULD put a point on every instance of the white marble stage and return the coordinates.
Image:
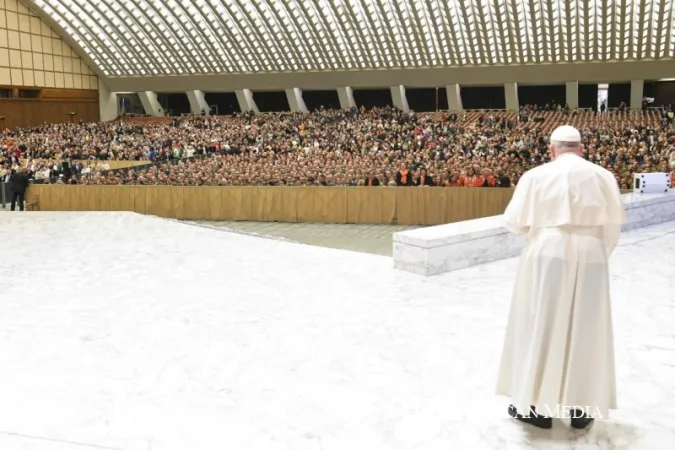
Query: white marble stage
(121, 331)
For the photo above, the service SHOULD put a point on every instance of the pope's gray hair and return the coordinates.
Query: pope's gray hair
(566, 145)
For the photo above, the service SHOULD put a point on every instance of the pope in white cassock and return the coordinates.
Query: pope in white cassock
(559, 352)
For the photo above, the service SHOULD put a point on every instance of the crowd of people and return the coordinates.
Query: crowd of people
(382, 146)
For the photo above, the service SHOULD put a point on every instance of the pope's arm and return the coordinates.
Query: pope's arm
(616, 214)
(611, 234)
(516, 208)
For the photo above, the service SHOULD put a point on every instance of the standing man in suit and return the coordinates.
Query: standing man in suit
(18, 183)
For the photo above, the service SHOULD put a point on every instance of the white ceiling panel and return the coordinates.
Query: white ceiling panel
(198, 37)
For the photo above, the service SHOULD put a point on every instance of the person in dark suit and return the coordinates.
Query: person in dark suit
(502, 180)
(424, 179)
(18, 183)
(371, 180)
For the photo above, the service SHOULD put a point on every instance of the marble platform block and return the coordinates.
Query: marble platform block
(444, 248)
(645, 210)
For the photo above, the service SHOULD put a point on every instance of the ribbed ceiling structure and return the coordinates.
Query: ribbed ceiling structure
(131, 38)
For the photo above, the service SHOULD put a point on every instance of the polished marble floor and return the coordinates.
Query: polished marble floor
(120, 331)
(366, 238)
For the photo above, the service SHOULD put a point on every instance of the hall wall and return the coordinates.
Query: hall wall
(41, 78)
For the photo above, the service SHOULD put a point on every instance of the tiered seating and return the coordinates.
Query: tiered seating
(336, 148)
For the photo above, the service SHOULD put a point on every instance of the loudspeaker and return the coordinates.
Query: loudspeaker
(651, 183)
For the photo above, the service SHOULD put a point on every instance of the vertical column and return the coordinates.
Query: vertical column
(572, 94)
(295, 101)
(245, 100)
(636, 93)
(150, 104)
(398, 98)
(107, 103)
(198, 102)
(454, 93)
(511, 96)
(346, 97)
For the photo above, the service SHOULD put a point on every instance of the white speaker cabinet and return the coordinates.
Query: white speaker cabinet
(651, 183)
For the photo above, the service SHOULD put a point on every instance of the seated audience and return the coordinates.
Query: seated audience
(356, 147)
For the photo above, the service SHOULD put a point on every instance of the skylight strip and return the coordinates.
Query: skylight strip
(373, 31)
(631, 18)
(466, 48)
(410, 21)
(454, 40)
(443, 24)
(526, 38)
(289, 28)
(502, 48)
(326, 17)
(363, 33)
(203, 19)
(543, 19)
(336, 35)
(533, 22)
(641, 34)
(166, 43)
(263, 41)
(396, 54)
(603, 14)
(299, 36)
(669, 32)
(121, 38)
(465, 13)
(485, 27)
(554, 40)
(223, 52)
(241, 39)
(577, 30)
(489, 23)
(657, 10)
(403, 45)
(430, 34)
(590, 17)
(659, 15)
(146, 48)
(354, 43)
(316, 27)
(513, 23)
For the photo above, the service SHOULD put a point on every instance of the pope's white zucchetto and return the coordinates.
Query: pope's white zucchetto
(566, 133)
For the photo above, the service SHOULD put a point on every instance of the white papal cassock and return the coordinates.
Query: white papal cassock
(559, 348)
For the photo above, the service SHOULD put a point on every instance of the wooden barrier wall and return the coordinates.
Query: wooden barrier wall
(381, 205)
(120, 164)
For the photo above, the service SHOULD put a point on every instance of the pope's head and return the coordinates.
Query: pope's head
(565, 139)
